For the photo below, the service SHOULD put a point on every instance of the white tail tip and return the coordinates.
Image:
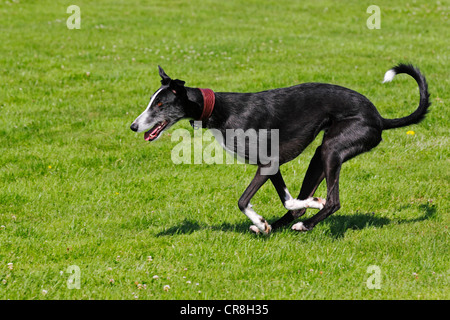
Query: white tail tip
(389, 75)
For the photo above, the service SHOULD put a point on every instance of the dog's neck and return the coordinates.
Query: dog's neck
(195, 108)
(209, 99)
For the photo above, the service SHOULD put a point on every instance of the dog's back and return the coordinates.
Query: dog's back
(299, 112)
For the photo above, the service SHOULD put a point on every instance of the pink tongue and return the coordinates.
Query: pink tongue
(151, 134)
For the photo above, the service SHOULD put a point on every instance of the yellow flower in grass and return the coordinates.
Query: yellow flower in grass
(410, 132)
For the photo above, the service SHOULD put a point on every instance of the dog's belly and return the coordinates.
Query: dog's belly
(263, 146)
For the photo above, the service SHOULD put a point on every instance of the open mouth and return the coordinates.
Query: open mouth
(154, 132)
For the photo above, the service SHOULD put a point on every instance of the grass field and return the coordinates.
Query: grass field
(78, 188)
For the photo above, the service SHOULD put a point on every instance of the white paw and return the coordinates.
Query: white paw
(265, 229)
(294, 204)
(299, 227)
(315, 203)
(254, 229)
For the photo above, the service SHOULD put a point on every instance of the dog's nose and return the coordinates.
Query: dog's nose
(134, 126)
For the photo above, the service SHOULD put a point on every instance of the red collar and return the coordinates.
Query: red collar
(208, 103)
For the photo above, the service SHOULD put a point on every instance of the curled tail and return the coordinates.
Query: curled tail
(422, 110)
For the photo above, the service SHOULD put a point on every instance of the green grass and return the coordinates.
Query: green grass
(77, 187)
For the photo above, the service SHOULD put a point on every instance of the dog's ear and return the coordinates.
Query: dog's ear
(177, 87)
(165, 79)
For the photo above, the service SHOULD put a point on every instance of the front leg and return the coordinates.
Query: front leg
(313, 178)
(260, 224)
(296, 204)
(288, 201)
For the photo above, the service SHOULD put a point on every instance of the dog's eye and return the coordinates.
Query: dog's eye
(159, 104)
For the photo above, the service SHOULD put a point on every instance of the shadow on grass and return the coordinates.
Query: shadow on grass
(428, 209)
(338, 224)
(189, 226)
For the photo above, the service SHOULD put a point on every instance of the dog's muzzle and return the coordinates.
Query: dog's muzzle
(134, 126)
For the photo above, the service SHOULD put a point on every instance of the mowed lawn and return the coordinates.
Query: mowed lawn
(80, 191)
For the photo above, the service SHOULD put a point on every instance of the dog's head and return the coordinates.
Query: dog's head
(166, 107)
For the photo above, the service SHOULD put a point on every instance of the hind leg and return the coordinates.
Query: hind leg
(343, 141)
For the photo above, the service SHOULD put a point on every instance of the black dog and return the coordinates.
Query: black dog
(296, 114)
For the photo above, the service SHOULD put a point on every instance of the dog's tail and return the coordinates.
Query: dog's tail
(422, 110)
